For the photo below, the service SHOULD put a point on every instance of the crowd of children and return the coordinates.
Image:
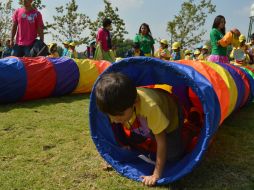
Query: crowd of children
(68, 50)
(242, 53)
(143, 45)
(176, 52)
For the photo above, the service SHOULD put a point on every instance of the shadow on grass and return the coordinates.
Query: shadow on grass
(229, 161)
(46, 101)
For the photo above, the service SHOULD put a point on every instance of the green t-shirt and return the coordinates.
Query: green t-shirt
(216, 35)
(145, 42)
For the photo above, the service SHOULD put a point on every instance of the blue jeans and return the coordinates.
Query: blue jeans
(20, 51)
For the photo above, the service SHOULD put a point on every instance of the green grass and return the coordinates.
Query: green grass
(45, 144)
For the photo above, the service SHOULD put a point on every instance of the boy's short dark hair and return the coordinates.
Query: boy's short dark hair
(106, 22)
(115, 93)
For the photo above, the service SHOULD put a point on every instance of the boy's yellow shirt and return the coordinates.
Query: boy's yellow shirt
(158, 108)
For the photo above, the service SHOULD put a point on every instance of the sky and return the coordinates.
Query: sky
(156, 13)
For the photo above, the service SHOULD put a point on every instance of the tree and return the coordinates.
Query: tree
(117, 23)
(70, 24)
(6, 11)
(187, 26)
(123, 47)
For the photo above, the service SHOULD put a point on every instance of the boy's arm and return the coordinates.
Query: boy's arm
(13, 32)
(161, 157)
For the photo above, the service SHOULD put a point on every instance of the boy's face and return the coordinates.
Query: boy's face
(162, 45)
(109, 27)
(122, 118)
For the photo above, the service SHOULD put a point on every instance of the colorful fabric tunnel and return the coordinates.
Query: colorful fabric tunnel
(28, 78)
(216, 90)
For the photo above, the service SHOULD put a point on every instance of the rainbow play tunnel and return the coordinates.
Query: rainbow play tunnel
(40, 77)
(215, 89)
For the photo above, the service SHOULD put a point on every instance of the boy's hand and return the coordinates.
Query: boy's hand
(149, 180)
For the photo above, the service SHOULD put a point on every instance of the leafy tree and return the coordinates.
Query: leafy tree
(38, 4)
(117, 23)
(69, 24)
(187, 26)
(6, 11)
(123, 46)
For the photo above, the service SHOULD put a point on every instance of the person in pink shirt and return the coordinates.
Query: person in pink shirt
(27, 25)
(104, 43)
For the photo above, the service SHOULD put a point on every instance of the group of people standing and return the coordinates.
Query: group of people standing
(224, 46)
(222, 41)
(28, 25)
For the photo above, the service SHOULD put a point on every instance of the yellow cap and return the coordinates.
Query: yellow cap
(164, 41)
(187, 52)
(176, 45)
(72, 44)
(242, 38)
(196, 52)
(51, 45)
(205, 47)
(66, 43)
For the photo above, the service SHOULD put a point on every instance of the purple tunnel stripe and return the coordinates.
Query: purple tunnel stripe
(67, 75)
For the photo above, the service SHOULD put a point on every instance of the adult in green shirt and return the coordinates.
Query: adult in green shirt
(145, 40)
(219, 53)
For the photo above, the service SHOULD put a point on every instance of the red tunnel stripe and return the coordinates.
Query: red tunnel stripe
(217, 81)
(41, 77)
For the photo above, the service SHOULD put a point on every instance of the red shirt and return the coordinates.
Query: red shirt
(28, 24)
(102, 37)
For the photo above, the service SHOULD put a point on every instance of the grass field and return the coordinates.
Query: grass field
(45, 144)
